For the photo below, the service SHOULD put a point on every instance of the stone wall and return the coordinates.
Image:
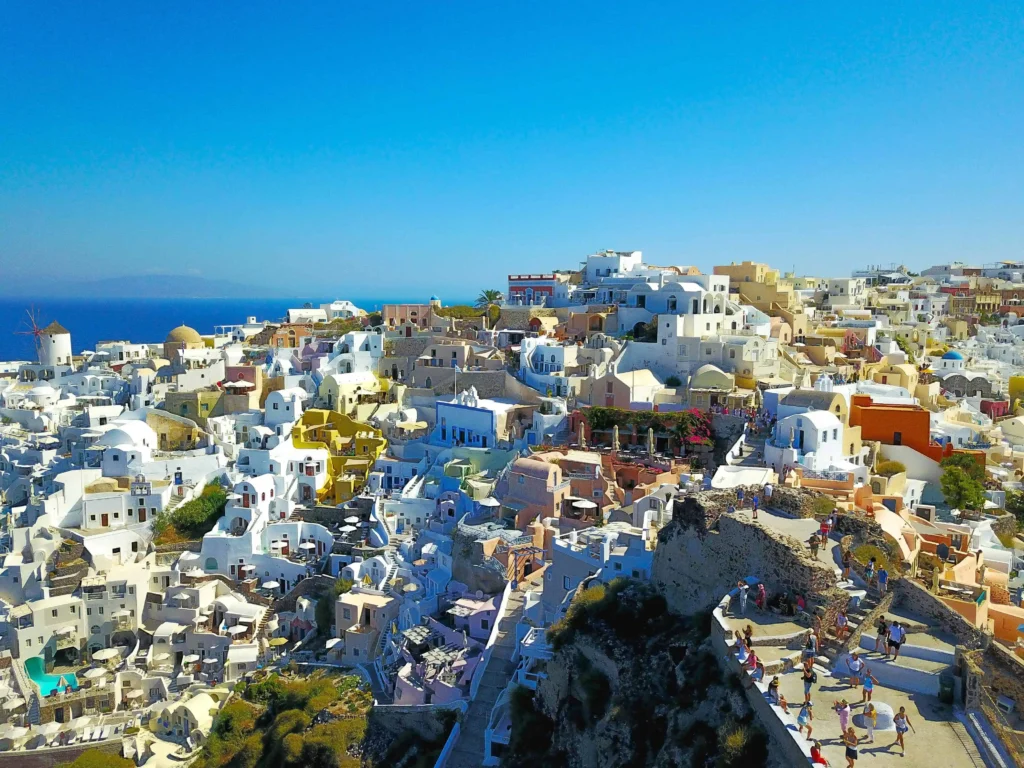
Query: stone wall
(518, 318)
(702, 553)
(914, 597)
(314, 585)
(181, 546)
(1005, 525)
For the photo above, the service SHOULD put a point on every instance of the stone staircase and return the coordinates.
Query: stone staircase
(28, 692)
(752, 446)
(68, 568)
(469, 749)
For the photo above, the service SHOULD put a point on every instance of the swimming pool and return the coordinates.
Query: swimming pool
(36, 669)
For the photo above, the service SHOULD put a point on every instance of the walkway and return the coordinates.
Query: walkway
(469, 749)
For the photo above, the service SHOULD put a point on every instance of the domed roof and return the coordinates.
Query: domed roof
(42, 389)
(708, 368)
(184, 334)
(952, 355)
(434, 298)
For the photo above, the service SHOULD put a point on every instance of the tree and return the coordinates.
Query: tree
(1015, 506)
(673, 381)
(488, 297)
(960, 490)
(967, 463)
(889, 468)
(325, 605)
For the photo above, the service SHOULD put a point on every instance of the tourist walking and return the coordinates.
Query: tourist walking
(811, 647)
(850, 739)
(869, 572)
(742, 586)
(754, 502)
(847, 564)
(883, 580)
(842, 626)
(903, 724)
(739, 497)
(897, 635)
(810, 677)
(803, 720)
(842, 709)
(870, 681)
(748, 635)
(856, 666)
(814, 545)
(883, 636)
(767, 494)
(870, 721)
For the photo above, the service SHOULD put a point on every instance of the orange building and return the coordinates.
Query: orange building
(896, 424)
(290, 335)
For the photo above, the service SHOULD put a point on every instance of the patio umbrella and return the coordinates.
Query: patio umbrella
(584, 504)
(48, 729)
(191, 658)
(210, 660)
(270, 585)
(332, 642)
(348, 528)
(490, 501)
(16, 732)
(352, 519)
(11, 704)
(277, 642)
(134, 693)
(236, 630)
(180, 596)
(161, 656)
(105, 654)
(94, 672)
(307, 545)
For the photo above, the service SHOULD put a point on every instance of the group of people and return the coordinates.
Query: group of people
(760, 600)
(850, 738)
(755, 500)
(890, 637)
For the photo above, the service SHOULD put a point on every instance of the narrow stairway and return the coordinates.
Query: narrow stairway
(469, 749)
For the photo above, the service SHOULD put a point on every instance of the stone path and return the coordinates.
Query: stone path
(469, 749)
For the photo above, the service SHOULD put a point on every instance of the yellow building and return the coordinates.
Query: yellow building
(353, 446)
(749, 272)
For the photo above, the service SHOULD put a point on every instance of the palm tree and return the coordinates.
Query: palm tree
(488, 297)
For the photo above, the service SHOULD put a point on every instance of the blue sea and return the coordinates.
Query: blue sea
(138, 320)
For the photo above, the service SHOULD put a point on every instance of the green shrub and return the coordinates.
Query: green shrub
(673, 382)
(822, 506)
(865, 552)
(889, 468)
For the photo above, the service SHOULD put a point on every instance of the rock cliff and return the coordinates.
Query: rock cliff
(632, 685)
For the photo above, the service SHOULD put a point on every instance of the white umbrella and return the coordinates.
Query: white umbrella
(15, 732)
(348, 528)
(236, 630)
(105, 654)
(180, 596)
(12, 704)
(66, 630)
(307, 545)
(134, 693)
(270, 585)
(210, 660)
(81, 722)
(95, 672)
(332, 642)
(276, 545)
(584, 504)
(5, 691)
(48, 729)
(161, 656)
(490, 501)
(191, 658)
(352, 519)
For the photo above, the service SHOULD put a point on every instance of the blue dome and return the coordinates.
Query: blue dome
(434, 298)
(952, 355)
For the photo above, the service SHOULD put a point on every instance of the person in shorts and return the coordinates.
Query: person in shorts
(897, 634)
(850, 740)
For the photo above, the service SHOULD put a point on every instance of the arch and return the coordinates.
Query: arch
(428, 383)
(639, 329)
(705, 308)
(211, 564)
(673, 303)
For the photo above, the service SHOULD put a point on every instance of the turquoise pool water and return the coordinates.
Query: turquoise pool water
(36, 669)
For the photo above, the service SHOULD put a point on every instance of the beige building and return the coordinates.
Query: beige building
(359, 618)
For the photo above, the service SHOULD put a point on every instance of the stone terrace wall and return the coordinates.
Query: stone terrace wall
(914, 597)
(701, 555)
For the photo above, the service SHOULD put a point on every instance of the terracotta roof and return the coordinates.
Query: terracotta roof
(55, 327)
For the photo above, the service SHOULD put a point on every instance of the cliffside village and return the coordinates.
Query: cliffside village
(830, 464)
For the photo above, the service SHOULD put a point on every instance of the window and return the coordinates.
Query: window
(347, 613)
(28, 643)
(732, 354)
(54, 613)
(835, 434)
(101, 607)
(275, 406)
(522, 480)
(597, 494)
(94, 629)
(824, 436)
(135, 546)
(88, 611)
(566, 583)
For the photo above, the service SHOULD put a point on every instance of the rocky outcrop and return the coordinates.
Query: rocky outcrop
(703, 552)
(632, 685)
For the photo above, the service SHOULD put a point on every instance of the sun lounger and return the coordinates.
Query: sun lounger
(87, 734)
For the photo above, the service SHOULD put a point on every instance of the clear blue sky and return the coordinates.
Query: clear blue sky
(440, 145)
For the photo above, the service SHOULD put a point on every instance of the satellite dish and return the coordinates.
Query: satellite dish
(942, 551)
